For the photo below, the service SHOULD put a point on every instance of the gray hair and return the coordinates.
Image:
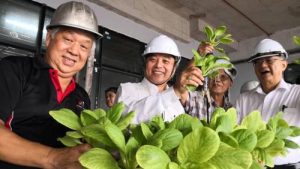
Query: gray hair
(53, 32)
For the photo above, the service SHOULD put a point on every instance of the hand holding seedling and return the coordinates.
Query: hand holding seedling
(204, 59)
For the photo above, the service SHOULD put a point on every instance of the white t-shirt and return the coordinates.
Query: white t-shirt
(285, 95)
(145, 99)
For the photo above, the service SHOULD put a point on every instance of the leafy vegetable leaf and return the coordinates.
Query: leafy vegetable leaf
(173, 165)
(67, 118)
(74, 134)
(226, 40)
(151, 157)
(283, 130)
(97, 158)
(220, 30)
(228, 157)
(209, 32)
(228, 139)
(198, 146)
(116, 135)
(69, 141)
(296, 131)
(296, 40)
(115, 112)
(264, 138)
(146, 131)
(158, 122)
(124, 122)
(290, 144)
(170, 138)
(88, 117)
(247, 140)
(98, 133)
(276, 148)
(253, 121)
(99, 113)
(185, 123)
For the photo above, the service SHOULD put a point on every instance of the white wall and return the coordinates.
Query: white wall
(126, 26)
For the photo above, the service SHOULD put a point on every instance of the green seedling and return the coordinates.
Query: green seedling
(208, 64)
(183, 143)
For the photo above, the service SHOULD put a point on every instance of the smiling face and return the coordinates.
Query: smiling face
(220, 84)
(269, 71)
(68, 50)
(159, 68)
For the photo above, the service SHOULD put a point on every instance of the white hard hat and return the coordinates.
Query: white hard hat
(163, 44)
(76, 15)
(232, 72)
(249, 85)
(267, 48)
(166, 45)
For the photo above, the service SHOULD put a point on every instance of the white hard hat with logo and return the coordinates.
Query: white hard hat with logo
(75, 15)
(267, 48)
(163, 44)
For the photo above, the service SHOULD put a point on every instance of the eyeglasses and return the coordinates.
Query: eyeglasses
(221, 77)
(269, 61)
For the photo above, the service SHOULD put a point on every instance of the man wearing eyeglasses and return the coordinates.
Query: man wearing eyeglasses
(273, 94)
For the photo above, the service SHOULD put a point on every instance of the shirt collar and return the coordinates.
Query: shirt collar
(60, 94)
(283, 85)
(152, 87)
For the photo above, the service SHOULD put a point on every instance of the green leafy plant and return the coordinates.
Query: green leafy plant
(184, 143)
(208, 63)
(296, 40)
(217, 36)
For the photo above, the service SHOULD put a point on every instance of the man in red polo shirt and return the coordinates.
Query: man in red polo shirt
(31, 87)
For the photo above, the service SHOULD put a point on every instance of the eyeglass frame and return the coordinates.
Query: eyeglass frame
(269, 60)
(221, 77)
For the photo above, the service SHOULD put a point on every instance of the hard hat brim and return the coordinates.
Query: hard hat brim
(97, 34)
(231, 73)
(264, 55)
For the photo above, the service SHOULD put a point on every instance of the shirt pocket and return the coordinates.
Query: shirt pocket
(292, 116)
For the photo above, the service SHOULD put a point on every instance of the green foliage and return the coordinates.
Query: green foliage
(183, 143)
(208, 64)
(296, 40)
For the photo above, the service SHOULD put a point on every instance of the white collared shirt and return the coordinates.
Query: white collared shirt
(145, 99)
(287, 95)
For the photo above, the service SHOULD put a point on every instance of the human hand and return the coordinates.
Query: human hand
(191, 75)
(66, 158)
(205, 48)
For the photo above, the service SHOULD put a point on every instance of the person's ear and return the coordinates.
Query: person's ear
(284, 64)
(48, 38)
(230, 84)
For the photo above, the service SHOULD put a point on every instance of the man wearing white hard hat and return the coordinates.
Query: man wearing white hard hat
(273, 94)
(31, 87)
(152, 96)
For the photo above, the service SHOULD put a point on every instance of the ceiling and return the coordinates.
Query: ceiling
(244, 19)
